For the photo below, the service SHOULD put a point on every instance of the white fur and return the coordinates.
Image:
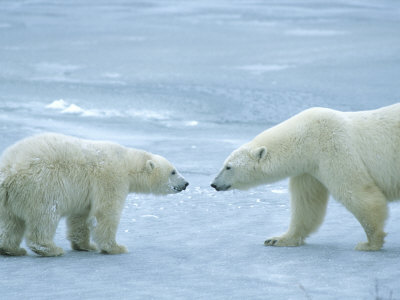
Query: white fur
(354, 156)
(50, 176)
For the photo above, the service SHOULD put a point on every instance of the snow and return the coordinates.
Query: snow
(193, 80)
(57, 104)
(73, 108)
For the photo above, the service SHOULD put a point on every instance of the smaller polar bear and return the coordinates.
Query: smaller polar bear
(354, 156)
(50, 176)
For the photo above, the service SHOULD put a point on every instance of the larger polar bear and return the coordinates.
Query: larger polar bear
(354, 156)
(46, 177)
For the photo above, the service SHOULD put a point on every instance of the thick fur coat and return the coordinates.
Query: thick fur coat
(353, 156)
(50, 176)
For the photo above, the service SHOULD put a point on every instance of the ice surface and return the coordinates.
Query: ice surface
(193, 80)
(314, 32)
(260, 69)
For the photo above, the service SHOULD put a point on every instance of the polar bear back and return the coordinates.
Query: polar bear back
(52, 149)
(53, 170)
(347, 144)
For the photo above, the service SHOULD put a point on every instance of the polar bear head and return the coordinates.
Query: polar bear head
(156, 175)
(242, 169)
(254, 164)
(286, 150)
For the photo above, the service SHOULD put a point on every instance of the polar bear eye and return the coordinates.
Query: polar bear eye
(173, 172)
(228, 168)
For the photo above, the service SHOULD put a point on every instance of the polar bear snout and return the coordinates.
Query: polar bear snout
(223, 180)
(220, 188)
(182, 187)
(219, 184)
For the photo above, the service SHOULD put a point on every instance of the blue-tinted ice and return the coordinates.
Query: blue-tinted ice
(193, 80)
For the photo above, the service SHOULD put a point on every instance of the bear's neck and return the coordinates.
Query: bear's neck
(290, 153)
(135, 161)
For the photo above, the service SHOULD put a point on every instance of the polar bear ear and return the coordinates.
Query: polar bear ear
(260, 153)
(150, 165)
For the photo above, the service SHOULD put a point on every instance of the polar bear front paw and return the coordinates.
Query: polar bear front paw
(284, 242)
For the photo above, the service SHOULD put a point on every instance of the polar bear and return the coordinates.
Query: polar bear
(353, 156)
(46, 177)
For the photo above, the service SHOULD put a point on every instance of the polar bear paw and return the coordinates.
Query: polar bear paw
(83, 246)
(368, 247)
(46, 249)
(375, 242)
(13, 252)
(117, 249)
(283, 241)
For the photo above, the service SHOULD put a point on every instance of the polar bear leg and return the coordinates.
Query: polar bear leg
(369, 206)
(79, 233)
(105, 231)
(12, 231)
(40, 233)
(309, 199)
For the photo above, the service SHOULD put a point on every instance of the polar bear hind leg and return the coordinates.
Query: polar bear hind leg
(369, 206)
(12, 231)
(40, 233)
(309, 199)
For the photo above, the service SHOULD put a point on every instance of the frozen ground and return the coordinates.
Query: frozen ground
(193, 80)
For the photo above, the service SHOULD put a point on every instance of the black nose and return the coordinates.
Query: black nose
(214, 185)
(185, 186)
